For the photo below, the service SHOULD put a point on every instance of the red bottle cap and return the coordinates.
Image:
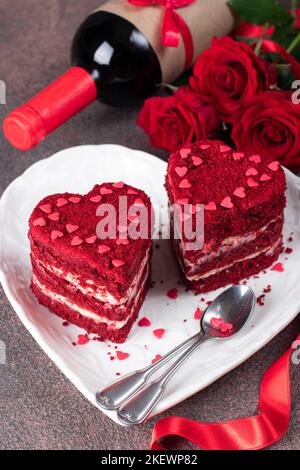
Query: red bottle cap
(29, 124)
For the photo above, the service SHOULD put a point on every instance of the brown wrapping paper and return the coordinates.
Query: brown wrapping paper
(205, 18)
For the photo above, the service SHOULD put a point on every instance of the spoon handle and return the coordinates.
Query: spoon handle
(138, 408)
(115, 394)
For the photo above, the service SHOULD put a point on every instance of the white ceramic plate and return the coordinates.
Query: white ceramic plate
(89, 366)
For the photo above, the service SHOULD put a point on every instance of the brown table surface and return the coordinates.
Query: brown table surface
(39, 407)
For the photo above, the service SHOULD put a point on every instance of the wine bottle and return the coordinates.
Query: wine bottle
(117, 57)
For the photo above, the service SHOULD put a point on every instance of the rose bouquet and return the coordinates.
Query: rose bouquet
(240, 89)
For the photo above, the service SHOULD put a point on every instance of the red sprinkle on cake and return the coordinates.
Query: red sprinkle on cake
(243, 200)
(98, 284)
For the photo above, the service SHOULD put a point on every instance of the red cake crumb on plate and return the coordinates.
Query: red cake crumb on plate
(97, 284)
(242, 200)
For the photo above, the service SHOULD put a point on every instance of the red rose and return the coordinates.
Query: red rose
(176, 120)
(269, 124)
(229, 73)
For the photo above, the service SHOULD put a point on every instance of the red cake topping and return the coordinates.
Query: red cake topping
(75, 199)
(240, 192)
(144, 322)
(54, 216)
(61, 202)
(196, 160)
(96, 198)
(85, 262)
(76, 241)
(40, 222)
(46, 208)
(103, 249)
(159, 333)
(255, 158)
(104, 191)
(56, 234)
(274, 166)
(185, 152)
(251, 172)
(72, 228)
(243, 198)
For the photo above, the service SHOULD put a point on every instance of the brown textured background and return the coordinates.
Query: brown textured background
(39, 407)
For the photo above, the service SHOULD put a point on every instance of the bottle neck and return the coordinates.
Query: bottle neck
(29, 124)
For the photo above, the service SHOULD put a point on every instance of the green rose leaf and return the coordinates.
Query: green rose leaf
(261, 12)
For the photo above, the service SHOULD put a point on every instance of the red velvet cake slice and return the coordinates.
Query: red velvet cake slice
(91, 257)
(242, 200)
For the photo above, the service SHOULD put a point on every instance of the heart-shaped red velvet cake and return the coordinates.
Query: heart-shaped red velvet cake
(95, 282)
(243, 199)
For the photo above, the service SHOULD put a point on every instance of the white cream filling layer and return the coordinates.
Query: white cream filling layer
(98, 292)
(227, 245)
(268, 252)
(84, 312)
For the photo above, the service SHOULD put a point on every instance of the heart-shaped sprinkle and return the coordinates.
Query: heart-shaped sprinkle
(227, 203)
(252, 183)
(240, 192)
(156, 358)
(122, 355)
(185, 184)
(61, 201)
(181, 170)
(197, 160)
(131, 191)
(226, 327)
(76, 241)
(278, 267)
(251, 172)
(54, 216)
(216, 322)
(103, 249)
(205, 146)
(40, 222)
(117, 263)
(122, 241)
(198, 314)
(172, 293)
(91, 240)
(46, 208)
(72, 228)
(105, 191)
(182, 201)
(56, 234)
(274, 165)
(82, 339)
(118, 185)
(224, 148)
(238, 155)
(159, 332)
(211, 206)
(96, 198)
(265, 177)
(75, 199)
(139, 202)
(184, 152)
(144, 322)
(255, 158)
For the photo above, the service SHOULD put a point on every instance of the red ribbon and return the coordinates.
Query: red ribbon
(173, 26)
(252, 433)
(269, 46)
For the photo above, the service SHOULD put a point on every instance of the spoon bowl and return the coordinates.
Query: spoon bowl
(222, 318)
